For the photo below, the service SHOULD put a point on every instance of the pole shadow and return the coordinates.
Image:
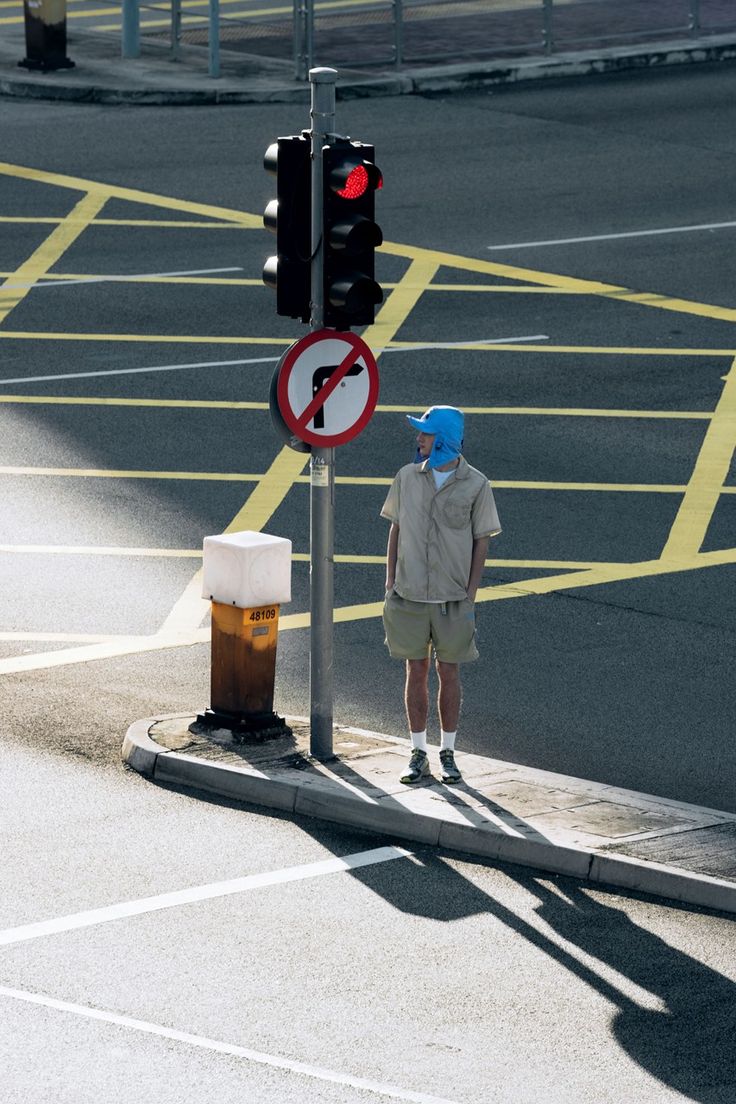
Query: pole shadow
(685, 1041)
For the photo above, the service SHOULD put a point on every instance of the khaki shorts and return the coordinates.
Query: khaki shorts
(412, 628)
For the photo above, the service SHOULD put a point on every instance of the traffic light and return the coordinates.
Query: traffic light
(290, 216)
(350, 180)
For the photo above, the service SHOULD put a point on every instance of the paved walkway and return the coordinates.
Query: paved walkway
(501, 811)
(101, 75)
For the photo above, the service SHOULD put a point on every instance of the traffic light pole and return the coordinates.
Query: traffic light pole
(322, 464)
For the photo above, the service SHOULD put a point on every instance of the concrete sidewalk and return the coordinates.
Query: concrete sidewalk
(501, 811)
(101, 75)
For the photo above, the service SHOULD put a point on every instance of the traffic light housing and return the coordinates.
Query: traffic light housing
(350, 235)
(290, 217)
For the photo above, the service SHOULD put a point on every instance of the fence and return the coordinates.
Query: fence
(365, 34)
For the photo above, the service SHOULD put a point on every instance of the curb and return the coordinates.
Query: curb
(267, 88)
(160, 765)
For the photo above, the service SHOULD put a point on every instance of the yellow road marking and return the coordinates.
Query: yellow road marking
(400, 304)
(565, 412)
(267, 496)
(61, 638)
(77, 400)
(571, 283)
(99, 550)
(473, 346)
(521, 289)
(706, 481)
(598, 575)
(111, 473)
(156, 339)
(297, 557)
(149, 224)
(49, 252)
(255, 510)
(427, 256)
(594, 576)
(602, 350)
(85, 653)
(529, 289)
(423, 268)
(270, 492)
(503, 411)
(134, 195)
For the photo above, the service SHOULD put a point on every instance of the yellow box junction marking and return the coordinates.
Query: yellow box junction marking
(706, 482)
(48, 253)
(273, 488)
(699, 497)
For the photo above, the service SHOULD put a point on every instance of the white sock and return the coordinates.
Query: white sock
(419, 740)
(447, 740)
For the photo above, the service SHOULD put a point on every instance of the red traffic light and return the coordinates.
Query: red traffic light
(351, 181)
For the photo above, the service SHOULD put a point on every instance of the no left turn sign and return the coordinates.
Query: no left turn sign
(327, 387)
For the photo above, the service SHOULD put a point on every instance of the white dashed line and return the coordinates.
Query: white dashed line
(393, 1092)
(263, 360)
(614, 237)
(117, 279)
(145, 905)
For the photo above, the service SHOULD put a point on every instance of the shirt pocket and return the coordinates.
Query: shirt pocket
(457, 514)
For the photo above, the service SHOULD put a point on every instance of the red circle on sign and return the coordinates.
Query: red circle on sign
(301, 358)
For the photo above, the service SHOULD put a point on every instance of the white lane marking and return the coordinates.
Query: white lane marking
(144, 905)
(263, 360)
(613, 237)
(303, 1068)
(464, 344)
(121, 279)
(136, 371)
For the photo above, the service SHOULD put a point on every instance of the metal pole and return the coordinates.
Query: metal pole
(694, 20)
(322, 466)
(131, 45)
(398, 33)
(300, 70)
(548, 34)
(214, 38)
(175, 28)
(309, 42)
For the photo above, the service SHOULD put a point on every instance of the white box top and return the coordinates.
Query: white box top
(247, 569)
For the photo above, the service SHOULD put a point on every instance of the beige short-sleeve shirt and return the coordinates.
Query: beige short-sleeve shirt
(437, 529)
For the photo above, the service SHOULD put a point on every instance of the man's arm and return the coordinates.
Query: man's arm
(477, 563)
(392, 552)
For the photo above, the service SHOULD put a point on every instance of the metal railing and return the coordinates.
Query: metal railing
(419, 31)
(364, 34)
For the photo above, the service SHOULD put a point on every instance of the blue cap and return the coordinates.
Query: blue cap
(447, 423)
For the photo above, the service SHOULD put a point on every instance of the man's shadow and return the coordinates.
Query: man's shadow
(687, 1044)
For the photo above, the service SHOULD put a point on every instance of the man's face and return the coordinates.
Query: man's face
(424, 443)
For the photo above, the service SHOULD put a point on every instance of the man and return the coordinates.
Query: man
(442, 515)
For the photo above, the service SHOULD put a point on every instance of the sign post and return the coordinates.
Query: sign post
(322, 463)
(326, 386)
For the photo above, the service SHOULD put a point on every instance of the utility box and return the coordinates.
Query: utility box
(246, 576)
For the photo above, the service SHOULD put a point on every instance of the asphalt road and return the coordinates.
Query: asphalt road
(271, 979)
(625, 681)
(606, 628)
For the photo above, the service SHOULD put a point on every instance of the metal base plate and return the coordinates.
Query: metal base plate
(246, 727)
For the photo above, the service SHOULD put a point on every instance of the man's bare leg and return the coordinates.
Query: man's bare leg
(449, 697)
(416, 696)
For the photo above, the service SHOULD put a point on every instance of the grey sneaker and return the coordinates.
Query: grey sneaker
(418, 767)
(450, 773)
